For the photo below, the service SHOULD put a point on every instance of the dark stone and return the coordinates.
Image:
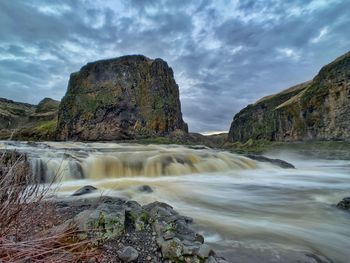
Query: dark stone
(278, 162)
(344, 204)
(145, 188)
(88, 189)
(128, 254)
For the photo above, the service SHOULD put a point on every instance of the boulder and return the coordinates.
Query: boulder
(277, 162)
(344, 204)
(145, 189)
(88, 189)
(128, 254)
(103, 223)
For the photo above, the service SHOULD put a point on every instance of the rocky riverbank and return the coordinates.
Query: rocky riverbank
(124, 231)
(114, 229)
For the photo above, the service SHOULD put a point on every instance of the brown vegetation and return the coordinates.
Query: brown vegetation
(25, 219)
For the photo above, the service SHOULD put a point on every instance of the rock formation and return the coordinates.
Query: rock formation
(23, 121)
(314, 110)
(122, 98)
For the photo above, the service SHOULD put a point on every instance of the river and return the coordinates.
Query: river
(233, 199)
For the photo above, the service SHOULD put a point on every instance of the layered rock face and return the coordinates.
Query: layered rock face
(22, 121)
(123, 98)
(315, 110)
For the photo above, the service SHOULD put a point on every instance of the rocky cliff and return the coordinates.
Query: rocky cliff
(23, 121)
(122, 98)
(314, 110)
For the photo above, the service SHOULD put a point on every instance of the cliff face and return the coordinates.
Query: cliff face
(123, 98)
(22, 121)
(315, 110)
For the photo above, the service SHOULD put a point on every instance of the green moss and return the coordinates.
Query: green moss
(47, 126)
(251, 146)
(155, 140)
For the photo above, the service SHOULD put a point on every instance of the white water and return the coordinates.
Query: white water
(229, 196)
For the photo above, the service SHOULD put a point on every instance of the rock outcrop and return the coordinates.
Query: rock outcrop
(133, 233)
(122, 98)
(23, 121)
(314, 110)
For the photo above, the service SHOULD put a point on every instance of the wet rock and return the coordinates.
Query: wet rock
(204, 251)
(168, 235)
(344, 204)
(155, 230)
(88, 189)
(177, 240)
(210, 260)
(145, 189)
(277, 162)
(172, 249)
(103, 223)
(136, 216)
(128, 254)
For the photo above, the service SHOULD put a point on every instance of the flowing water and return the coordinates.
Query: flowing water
(231, 198)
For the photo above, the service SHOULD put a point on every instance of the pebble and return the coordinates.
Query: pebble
(149, 258)
(168, 236)
(128, 254)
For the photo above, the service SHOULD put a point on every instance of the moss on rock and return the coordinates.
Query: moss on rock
(123, 98)
(314, 110)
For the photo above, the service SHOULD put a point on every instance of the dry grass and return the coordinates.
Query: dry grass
(25, 219)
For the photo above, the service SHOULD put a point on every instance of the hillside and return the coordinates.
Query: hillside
(23, 121)
(314, 110)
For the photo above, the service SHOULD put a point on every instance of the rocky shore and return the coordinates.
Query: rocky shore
(112, 229)
(125, 231)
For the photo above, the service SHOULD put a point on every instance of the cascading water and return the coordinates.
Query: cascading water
(54, 161)
(232, 198)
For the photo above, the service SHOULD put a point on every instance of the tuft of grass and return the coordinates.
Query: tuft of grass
(156, 140)
(47, 127)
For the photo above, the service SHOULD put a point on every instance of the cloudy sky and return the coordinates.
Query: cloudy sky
(225, 54)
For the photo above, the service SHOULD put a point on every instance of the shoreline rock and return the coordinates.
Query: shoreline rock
(123, 227)
(277, 162)
(87, 189)
(125, 231)
(344, 204)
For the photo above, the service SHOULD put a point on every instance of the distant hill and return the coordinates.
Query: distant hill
(315, 110)
(22, 121)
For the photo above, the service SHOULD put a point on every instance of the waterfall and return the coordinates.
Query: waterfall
(72, 161)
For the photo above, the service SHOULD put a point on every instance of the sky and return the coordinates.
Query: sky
(225, 54)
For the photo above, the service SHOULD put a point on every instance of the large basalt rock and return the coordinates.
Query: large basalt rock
(122, 98)
(315, 110)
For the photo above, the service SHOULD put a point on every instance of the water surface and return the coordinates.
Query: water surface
(231, 198)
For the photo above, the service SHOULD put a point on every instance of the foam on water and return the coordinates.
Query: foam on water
(231, 198)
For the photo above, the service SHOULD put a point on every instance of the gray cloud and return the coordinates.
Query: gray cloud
(224, 54)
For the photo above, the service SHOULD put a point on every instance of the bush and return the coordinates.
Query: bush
(22, 209)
